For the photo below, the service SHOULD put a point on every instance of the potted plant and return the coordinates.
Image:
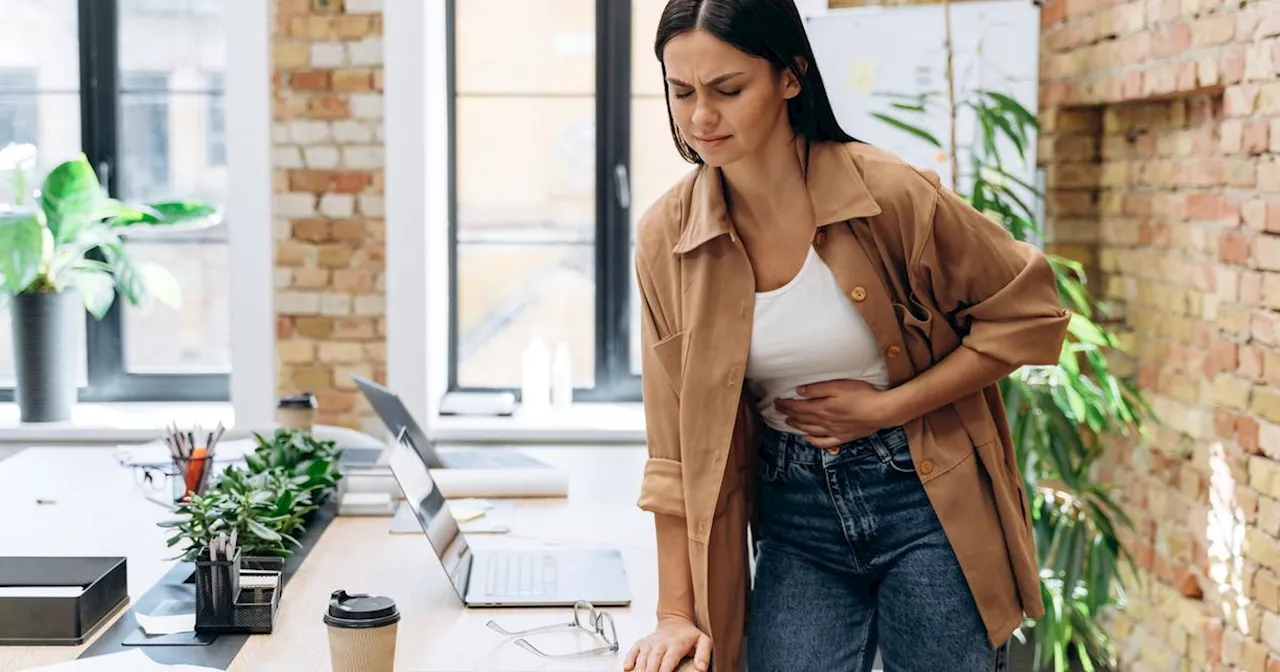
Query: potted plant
(268, 502)
(64, 250)
(1060, 416)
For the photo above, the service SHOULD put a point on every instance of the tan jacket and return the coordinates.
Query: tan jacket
(929, 274)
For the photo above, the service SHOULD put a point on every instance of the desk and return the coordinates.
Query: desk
(98, 510)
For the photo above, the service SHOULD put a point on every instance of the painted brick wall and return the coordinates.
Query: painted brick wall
(328, 209)
(1161, 131)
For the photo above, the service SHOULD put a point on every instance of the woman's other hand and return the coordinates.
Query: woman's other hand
(835, 412)
(663, 650)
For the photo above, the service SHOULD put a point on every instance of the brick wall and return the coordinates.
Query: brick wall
(1161, 125)
(328, 208)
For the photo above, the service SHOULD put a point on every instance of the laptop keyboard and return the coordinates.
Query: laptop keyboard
(521, 575)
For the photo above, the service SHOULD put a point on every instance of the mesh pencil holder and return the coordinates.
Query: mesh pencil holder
(217, 589)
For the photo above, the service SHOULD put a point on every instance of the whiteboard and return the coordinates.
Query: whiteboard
(865, 52)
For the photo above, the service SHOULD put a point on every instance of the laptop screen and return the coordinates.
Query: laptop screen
(432, 511)
(397, 418)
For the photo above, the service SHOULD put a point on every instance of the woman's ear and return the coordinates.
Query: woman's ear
(791, 83)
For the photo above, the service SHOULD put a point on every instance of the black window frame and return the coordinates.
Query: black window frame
(108, 378)
(614, 380)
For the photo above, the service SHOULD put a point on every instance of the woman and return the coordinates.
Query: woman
(823, 331)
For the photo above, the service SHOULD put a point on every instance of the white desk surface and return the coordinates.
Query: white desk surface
(96, 509)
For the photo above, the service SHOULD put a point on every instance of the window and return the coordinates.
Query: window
(19, 113)
(127, 82)
(559, 142)
(216, 123)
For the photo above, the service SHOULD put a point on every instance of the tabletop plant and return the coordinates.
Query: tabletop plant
(269, 501)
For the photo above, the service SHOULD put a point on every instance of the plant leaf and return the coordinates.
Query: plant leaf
(160, 283)
(97, 288)
(21, 249)
(909, 128)
(70, 198)
(261, 531)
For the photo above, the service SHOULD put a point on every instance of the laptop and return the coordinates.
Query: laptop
(505, 577)
(396, 417)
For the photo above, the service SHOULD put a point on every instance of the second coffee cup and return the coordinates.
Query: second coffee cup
(362, 632)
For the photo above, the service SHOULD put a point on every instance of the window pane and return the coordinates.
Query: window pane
(40, 105)
(172, 144)
(525, 181)
(655, 163)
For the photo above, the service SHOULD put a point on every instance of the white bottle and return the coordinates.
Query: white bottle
(561, 378)
(535, 384)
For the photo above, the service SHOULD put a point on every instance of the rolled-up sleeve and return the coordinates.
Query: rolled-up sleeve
(999, 293)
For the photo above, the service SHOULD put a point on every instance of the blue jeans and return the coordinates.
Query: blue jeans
(851, 557)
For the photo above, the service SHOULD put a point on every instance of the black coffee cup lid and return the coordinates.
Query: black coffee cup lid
(304, 400)
(360, 611)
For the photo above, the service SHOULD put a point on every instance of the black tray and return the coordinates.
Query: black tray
(83, 594)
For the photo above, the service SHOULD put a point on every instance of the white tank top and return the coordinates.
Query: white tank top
(804, 332)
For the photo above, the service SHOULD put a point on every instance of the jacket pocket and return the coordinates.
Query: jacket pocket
(670, 355)
(917, 336)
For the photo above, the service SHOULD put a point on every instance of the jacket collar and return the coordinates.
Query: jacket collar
(835, 183)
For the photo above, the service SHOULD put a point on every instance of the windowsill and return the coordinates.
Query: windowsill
(581, 423)
(138, 422)
(111, 423)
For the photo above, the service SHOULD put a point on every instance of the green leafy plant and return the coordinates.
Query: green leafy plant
(287, 477)
(1058, 415)
(73, 237)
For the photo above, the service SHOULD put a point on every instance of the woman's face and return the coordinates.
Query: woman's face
(726, 103)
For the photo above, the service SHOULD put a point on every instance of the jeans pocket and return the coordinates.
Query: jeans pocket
(896, 450)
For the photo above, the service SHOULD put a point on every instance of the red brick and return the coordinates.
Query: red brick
(310, 181)
(1212, 207)
(1247, 432)
(284, 327)
(1272, 222)
(1233, 248)
(1231, 65)
(1211, 634)
(329, 108)
(314, 230)
(350, 182)
(1225, 355)
(334, 401)
(1224, 423)
(309, 80)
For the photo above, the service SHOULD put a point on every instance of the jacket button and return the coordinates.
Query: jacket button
(893, 351)
(858, 294)
(926, 467)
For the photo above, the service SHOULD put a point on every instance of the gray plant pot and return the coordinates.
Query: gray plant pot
(44, 353)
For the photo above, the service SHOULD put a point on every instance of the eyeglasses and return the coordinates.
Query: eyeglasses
(585, 617)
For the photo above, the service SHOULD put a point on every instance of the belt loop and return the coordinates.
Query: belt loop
(878, 444)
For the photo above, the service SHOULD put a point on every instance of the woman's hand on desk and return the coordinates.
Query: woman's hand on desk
(663, 650)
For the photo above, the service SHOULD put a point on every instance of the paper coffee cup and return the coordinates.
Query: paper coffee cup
(362, 632)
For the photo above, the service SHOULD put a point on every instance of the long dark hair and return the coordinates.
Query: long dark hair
(768, 29)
